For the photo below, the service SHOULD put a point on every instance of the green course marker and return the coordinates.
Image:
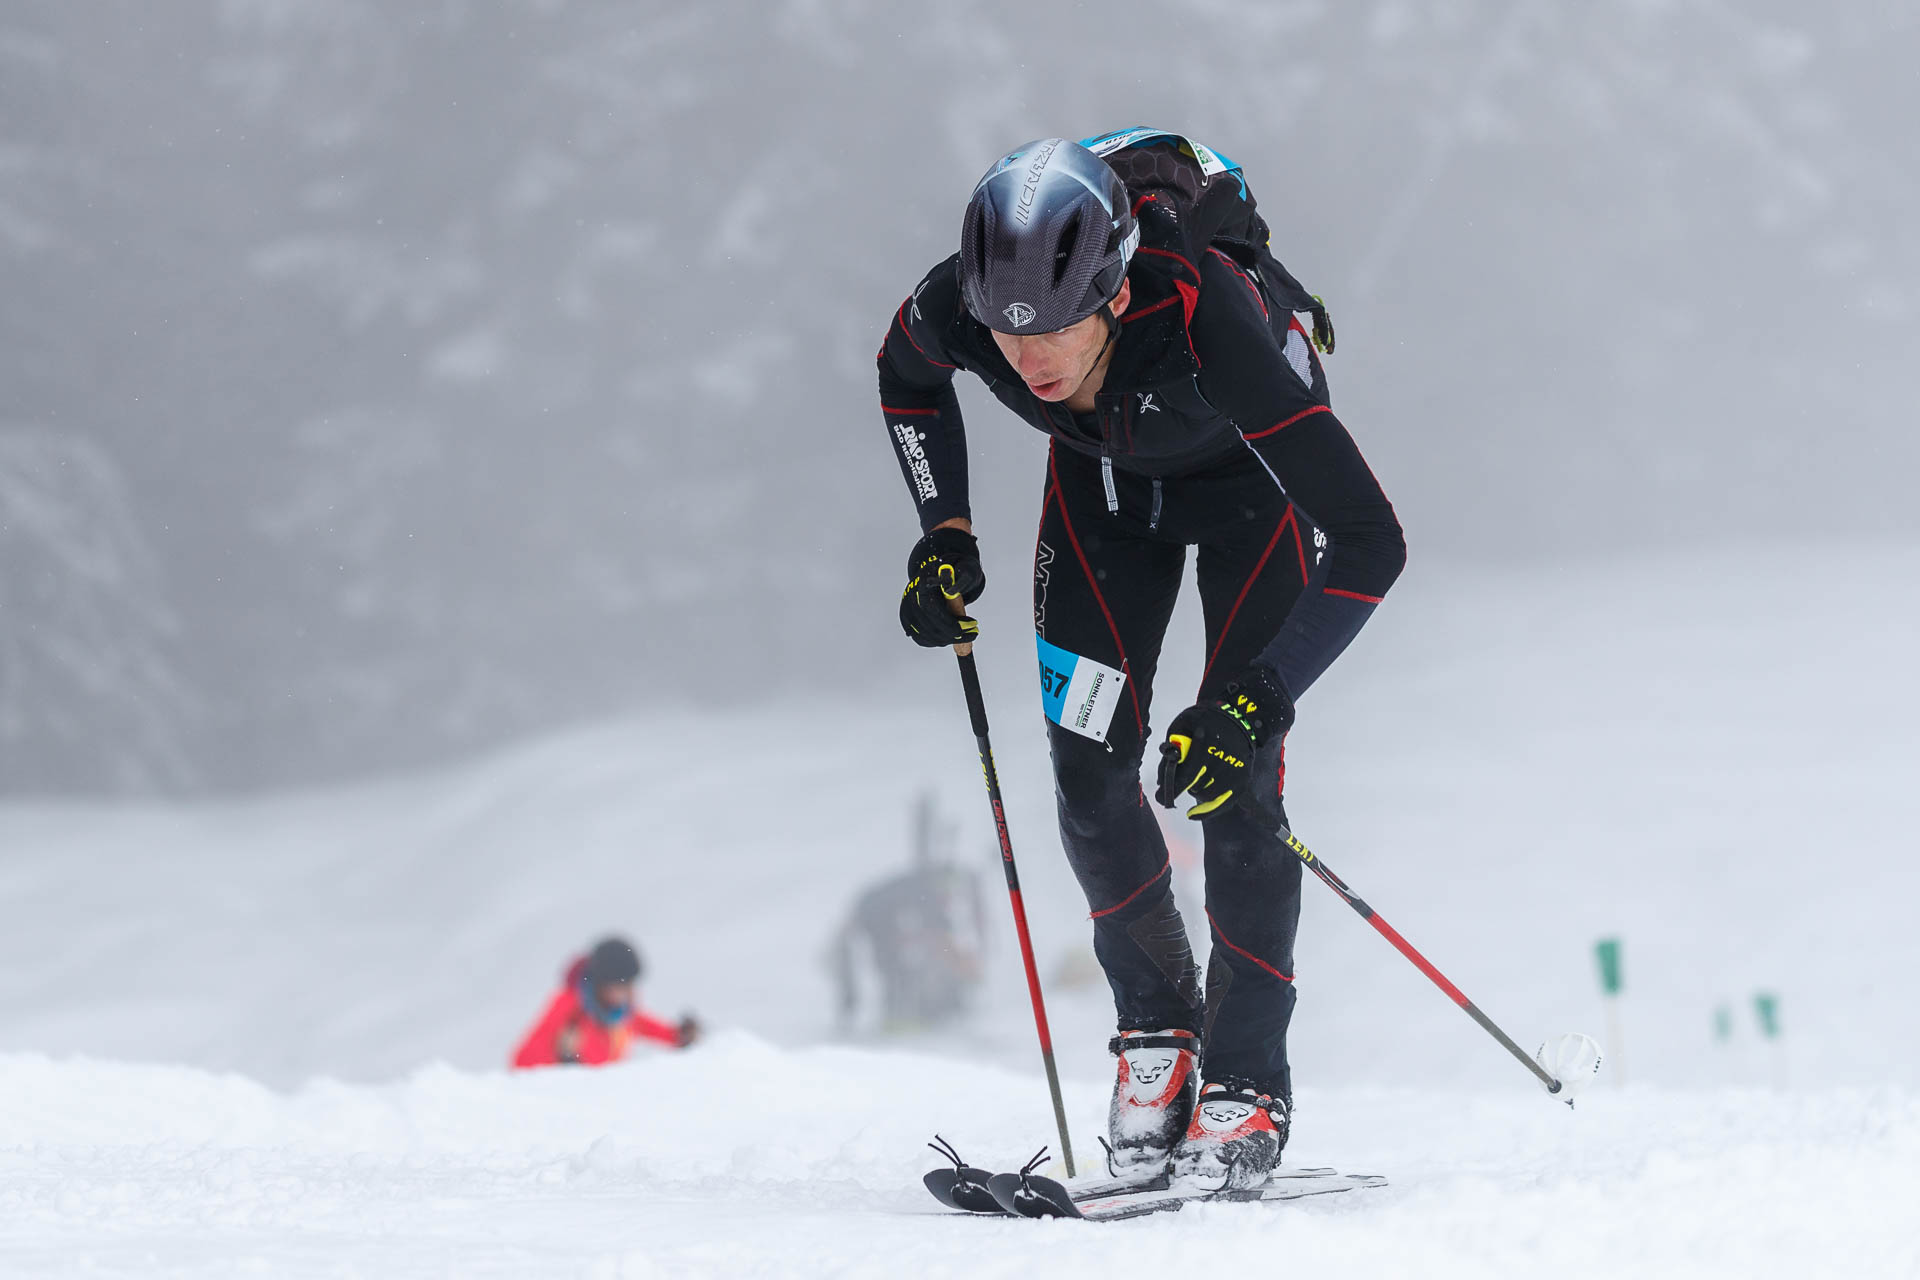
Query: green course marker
(1723, 1023)
(1607, 951)
(1766, 1006)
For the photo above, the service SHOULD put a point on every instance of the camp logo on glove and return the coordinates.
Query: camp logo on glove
(1232, 762)
(1227, 733)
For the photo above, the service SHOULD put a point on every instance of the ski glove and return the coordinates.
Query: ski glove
(944, 567)
(1210, 746)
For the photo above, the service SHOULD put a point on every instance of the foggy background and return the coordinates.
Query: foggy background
(445, 516)
(379, 383)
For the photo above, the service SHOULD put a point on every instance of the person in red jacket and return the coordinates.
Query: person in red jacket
(593, 1019)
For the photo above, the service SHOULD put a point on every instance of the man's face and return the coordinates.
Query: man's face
(1055, 365)
(615, 995)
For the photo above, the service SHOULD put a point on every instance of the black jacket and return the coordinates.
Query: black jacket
(1206, 370)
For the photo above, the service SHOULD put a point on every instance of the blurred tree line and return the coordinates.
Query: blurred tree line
(383, 381)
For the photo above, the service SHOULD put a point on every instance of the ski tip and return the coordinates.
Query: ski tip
(1029, 1195)
(963, 1188)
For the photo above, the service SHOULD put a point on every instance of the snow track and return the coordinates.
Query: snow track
(740, 1159)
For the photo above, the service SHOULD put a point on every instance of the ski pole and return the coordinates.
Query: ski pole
(977, 710)
(1420, 962)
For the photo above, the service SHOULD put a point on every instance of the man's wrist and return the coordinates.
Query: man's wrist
(1258, 700)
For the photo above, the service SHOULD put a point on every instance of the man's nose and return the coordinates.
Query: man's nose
(1028, 358)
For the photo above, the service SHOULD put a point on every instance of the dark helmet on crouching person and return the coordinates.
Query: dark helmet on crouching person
(607, 976)
(1047, 239)
(611, 962)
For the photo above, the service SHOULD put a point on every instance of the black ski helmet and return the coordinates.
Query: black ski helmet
(1047, 238)
(611, 960)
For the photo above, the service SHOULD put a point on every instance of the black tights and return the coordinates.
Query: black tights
(1104, 588)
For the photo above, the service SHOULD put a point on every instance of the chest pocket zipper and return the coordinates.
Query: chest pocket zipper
(1153, 517)
(1106, 479)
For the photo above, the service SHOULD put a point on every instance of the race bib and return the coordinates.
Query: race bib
(1211, 162)
(1078, 694)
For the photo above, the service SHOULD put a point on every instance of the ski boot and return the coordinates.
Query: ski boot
(1234, 1141)
(1152, 1099)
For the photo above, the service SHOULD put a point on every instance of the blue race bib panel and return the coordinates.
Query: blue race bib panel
(1078, 694)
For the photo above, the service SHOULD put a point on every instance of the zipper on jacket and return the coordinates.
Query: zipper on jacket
(1153, 517)
(1106, 478)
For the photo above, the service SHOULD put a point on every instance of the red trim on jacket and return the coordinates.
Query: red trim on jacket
(900, 318)
(1248, 281)
(1299, 547)
(1283, 425)
(1179, 258)
(1161, 305)
(1241, 599)
(1189, 300)
(1066, 521)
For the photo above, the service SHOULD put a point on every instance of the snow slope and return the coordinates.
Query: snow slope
(1709, 755)
(742, 1159)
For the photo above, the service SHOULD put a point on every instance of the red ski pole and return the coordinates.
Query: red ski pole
(1420, 962)
(977, 710)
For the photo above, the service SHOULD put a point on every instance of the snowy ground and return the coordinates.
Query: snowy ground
(676, 1167)
(1710, 756)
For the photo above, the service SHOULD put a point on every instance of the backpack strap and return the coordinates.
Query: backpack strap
(1293, 295)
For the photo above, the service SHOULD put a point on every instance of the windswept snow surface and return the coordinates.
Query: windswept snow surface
(1711, 756)
(742, 1159)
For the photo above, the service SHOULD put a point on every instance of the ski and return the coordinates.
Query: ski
(1026, 1194)
(1136, 1204)
(1084, 1189)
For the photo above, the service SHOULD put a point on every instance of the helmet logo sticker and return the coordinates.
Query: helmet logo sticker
(1020, 314)
(1030, 189)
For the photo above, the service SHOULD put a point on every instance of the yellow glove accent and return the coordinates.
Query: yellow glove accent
(1183, 742)
(1200, 811)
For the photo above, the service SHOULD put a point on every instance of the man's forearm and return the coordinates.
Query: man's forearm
(1317, 631)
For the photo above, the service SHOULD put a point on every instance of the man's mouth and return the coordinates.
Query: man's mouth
(1045, 389)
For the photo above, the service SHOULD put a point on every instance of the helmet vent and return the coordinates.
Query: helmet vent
(1063, 249)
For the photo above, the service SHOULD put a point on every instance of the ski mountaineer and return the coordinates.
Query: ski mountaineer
(592, 1019)
(1187, 408)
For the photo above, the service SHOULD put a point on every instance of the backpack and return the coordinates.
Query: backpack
(1188, 185)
